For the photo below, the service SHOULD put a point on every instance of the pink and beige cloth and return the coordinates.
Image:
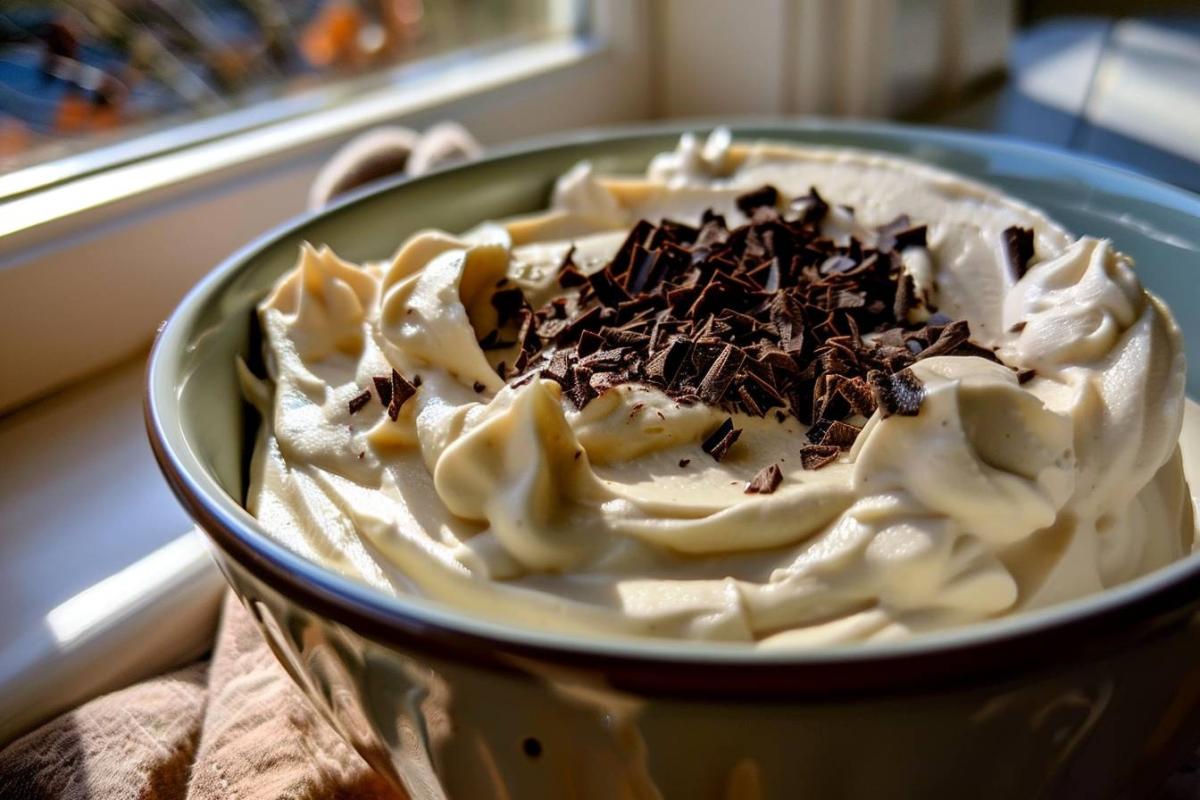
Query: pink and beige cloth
(234, 727)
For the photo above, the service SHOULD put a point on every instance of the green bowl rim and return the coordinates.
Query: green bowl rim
(1152, 605)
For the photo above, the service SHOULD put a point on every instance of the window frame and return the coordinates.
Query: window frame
(90, 266)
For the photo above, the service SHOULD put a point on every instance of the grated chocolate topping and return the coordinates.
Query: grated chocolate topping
(765, 316)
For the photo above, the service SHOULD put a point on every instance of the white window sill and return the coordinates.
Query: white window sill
(102, 580)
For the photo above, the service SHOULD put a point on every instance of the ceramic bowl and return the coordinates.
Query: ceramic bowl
(1093, 698)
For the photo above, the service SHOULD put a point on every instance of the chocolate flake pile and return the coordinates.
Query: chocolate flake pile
(769, 315)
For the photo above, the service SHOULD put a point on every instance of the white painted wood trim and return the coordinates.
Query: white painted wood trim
(827, 57)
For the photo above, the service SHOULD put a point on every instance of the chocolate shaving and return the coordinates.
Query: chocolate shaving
(898, 393)
(840, 434)
(718, 442)
(527, 337)
(606, 288)
(906, 297)
(359, 401)
(765, 481)
(909, 237)
(638, 236)
(886, 234)
(492, 341)
(401, 391)
(571, 277)
(567, 266)
(383, 388)
(1026, 375)
(683, 462)
(507, 303)
(948, 341)
(589, 343)
(569, 274)
(1018, 246)
(857, 394)
(763, 196)
(810, 208)
(815, 456)
(722, 372)
(478, 387)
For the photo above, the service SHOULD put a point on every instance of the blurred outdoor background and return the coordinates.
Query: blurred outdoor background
(78, 75)
(1118, 79)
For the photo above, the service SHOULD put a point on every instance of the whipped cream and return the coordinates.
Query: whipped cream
(507, 501)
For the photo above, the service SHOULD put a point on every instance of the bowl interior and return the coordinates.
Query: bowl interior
(194, 393)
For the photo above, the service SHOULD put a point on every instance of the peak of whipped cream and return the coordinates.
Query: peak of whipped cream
(504, 499)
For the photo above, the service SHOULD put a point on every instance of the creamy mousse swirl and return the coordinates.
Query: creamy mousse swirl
(503, 498)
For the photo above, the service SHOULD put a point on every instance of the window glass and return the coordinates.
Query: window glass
(92, 82)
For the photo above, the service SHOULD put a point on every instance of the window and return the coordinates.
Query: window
(115, 224)
(85, 86)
